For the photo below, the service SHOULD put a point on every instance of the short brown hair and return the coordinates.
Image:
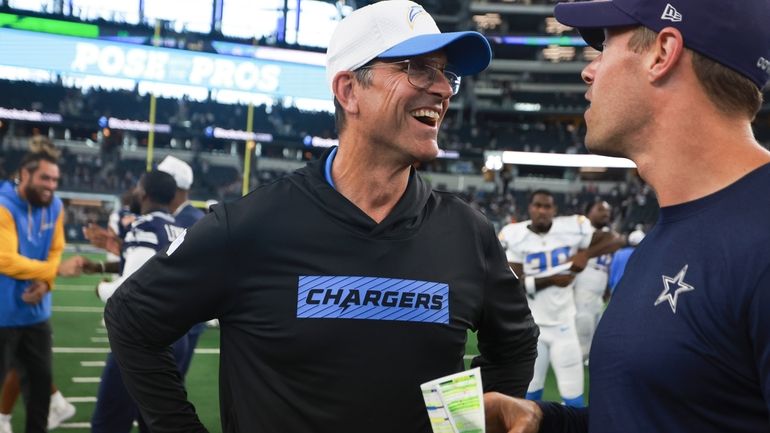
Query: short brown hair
(364, 77)
(728, 90)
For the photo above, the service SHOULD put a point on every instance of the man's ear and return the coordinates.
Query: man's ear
(345, 90)
(24, 176)
(665, 54)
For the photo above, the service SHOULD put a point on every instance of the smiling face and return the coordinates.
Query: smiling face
(400, 118)
(38, 186)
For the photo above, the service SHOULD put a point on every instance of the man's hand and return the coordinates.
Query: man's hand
(561, 280)
(90, 267)
(511, 415)
(579, 261)
(72, 267)
(34, 293)
(103, 238)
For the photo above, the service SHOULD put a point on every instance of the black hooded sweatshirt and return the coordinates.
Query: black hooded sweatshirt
(329, 321)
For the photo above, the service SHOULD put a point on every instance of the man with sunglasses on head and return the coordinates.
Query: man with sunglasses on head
(342, 287)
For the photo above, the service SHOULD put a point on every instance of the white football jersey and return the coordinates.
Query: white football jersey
(546, 254)
(594, 277)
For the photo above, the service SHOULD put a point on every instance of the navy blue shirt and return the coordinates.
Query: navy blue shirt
(148, 235)
(684, 346)
(187, 215)
(685, 343)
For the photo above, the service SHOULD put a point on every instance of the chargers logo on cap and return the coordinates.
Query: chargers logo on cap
(414, 11)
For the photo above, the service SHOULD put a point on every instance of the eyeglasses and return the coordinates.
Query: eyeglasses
(422, 75)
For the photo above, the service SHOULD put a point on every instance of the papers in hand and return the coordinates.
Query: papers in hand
(455, 403)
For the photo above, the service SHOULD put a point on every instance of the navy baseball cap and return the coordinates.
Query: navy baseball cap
(735, 33)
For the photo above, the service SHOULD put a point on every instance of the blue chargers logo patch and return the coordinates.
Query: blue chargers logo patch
(372, 298)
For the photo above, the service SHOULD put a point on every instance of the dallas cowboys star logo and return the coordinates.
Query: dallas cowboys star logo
(681, 287)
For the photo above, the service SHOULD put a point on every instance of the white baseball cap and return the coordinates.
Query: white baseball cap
(180, 170)
(635, 237)
(400, 28)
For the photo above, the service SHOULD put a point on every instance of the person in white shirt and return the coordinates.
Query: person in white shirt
(547, 251)
(591, 285)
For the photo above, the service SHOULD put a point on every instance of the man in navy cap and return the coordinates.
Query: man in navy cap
(342, 287)
(684, 346)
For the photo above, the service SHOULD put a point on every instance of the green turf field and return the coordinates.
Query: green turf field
(80, 347)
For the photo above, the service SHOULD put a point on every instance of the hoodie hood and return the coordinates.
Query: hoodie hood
(405, 219)
(6, 187)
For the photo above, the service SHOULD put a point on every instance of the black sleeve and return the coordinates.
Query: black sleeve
(507, 334)
(155, 307)
(558, 418)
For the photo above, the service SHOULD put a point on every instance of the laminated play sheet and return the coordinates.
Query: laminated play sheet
(455, 403)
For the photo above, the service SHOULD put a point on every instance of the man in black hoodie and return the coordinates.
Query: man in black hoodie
(344, 286)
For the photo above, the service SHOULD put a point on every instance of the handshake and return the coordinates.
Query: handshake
(76, 265)
(71, 267)
(99, 237)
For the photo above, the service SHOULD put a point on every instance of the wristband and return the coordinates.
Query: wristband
(529, 284)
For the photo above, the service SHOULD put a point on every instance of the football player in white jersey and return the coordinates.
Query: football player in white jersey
(591, 284)
(547, 251)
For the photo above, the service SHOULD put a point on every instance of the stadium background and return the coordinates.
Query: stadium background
(237, 89)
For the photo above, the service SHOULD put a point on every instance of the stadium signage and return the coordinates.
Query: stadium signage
(234, 134)
(113, 60)
(133, 125)
(496, 159)
(448, 154)
(313, 141)
(98, 58)
(32, 116)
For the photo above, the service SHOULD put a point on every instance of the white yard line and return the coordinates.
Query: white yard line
(81, 400)
(75, 425)
(81, 350)
(92, 363)
(199, 351)
(86, 379)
